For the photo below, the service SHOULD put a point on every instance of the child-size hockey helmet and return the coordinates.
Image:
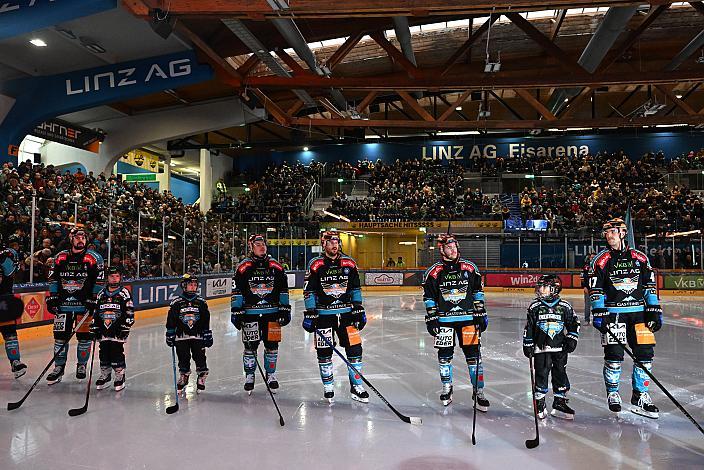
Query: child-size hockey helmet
(553, 283)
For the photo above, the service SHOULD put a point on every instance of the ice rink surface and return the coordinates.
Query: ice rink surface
(225, 428)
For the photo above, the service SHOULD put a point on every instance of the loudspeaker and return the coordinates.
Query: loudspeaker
(161, 22)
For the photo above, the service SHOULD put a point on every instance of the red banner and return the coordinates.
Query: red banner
(520, 279)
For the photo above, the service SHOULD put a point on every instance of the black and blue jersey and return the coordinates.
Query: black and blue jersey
(332, 286)
(453, 287)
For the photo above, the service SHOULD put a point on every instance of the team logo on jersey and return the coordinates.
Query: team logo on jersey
(334, 289)
(189, 319)
(453, 294)
(108, 318)
(72, 285)
(551, 328)
(346, 270)
(626, 284)
(261, 289)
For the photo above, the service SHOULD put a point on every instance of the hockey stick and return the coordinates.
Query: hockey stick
(474, 388)
(84, 408)
(406, 419)
(173, 408)
(652, 377)
(261, 372)
(533, 443)
(16, 404)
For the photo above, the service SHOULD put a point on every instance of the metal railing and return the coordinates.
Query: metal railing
(692, 179)
(313, 194)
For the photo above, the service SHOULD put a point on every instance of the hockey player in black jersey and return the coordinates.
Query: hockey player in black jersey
(333, 301)
(550, 334)
(11, 307)
(260, 307)
(75, 279)
(454, 303)
(112, 320)
(624, 300)
(188, 329)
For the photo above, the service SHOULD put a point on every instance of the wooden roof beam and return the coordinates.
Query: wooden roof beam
(413, 103)
(467, 44)
(545, 43)
(535, 104)
(501, 124)
(667, 90)
(395, 55)
(344, 49)
(463, 97)
(476, 81)
(260, 9)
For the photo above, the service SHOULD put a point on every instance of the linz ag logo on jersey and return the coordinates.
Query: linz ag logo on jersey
(125, 77)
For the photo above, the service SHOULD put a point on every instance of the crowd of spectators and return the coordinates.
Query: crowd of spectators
(414, 190)
(277, 196)
(592, 189)
(599, 187)
(65, 199)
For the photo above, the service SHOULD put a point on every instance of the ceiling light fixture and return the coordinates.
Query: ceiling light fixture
(37, 42)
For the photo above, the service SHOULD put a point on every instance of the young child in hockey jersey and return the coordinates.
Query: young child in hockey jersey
(550, 334)
(188, 330)
(113, 318)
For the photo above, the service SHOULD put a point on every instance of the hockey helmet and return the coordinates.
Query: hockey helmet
(188, 279)
(554, 285)
(614, 223)
(111, 270)
(330, 235)
(446, 239)
(255, 237)
(75, 231)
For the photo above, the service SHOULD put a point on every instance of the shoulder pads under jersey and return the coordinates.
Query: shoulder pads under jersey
(466, 265)
(244, 265)
(316, 263)
(61, 257)
(601, 259)
(275, 264)
(96, 256)
(433, 271)
(347, 262)
(639, 255)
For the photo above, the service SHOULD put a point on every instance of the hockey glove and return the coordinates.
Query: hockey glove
(123, 333)
(569, 345)
(359, 317)
(601, 318)
(432, 324)
(284, 315)
(310, 319)
(52, 304)
(480, 320)
(170, 338)
(207, 338)
(236, 318)
(653, 317)
(528, 351)
(95, 331)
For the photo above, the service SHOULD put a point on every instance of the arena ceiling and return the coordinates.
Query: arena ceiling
(333, 71)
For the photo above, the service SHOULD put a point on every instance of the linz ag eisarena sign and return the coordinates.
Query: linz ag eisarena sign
(507, 149)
